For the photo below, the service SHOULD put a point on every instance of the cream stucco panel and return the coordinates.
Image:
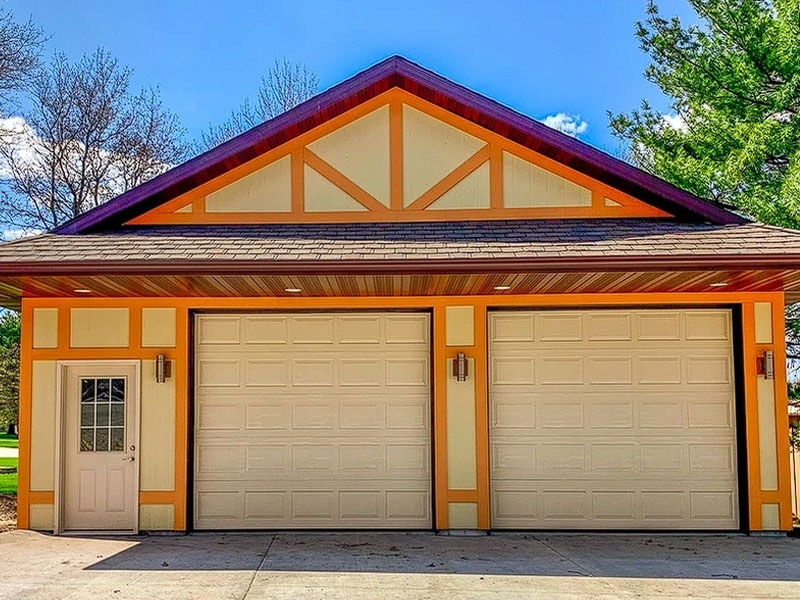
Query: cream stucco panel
(459, 325)
(462, 515)
(158, 327)
(763, 322)
(156, 431)
(525, 185)
(188, 209)
(43, 425)
(431, 149)
(45, 328)
(321, 195)
(767, 437)
(461, 448)
(156, 517)
(99, 327)
(360, 151)
(770, 517)
(42, 517)
(470, 192)
(267, 190)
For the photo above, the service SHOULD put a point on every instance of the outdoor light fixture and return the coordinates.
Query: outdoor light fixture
(502, 288)
(460, 367)
(765, 364)
(718, 284)
(293, 290)
(162, 369)
(82, 291)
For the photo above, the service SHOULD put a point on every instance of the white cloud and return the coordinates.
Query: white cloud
(675, 122)
(16, 132)
(570, 124)
(14, 234)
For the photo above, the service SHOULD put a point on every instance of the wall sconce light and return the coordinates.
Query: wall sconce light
(765, 364)
(163, 370)
(460, 367)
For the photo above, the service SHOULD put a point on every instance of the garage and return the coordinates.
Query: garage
(613, 419)
(312, 420)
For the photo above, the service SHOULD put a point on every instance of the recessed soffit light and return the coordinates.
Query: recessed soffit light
(502, 288)
(82, 291)
(293, 290)
(719, 284)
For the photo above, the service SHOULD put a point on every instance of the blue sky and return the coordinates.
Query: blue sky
(579, 57)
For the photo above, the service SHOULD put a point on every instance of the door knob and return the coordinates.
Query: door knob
(129, 459)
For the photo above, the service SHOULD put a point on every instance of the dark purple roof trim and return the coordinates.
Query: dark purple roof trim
(393, 72)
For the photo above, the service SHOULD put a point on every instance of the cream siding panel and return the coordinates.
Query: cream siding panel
(525, 186)
(158, 327)
(461, 448)
(767, 436)
(43, 425)
(42, 517)
(45, 328)
(619, 419)
(188, 209)
(459, 325)
(156, 517)
(763, 322)
(360, 151)
(770, 517)
(313, 421)
(267, 190)
(462, 515)
(431, 150)
(471, 192)
(321, 195)
(157, 431)
(99, 327)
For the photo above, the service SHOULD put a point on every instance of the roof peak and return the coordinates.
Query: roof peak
(391, 72)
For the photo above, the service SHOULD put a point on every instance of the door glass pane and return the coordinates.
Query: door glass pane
(87, 439)
(102, 390)
(118, 390)
(117, 414)
(87, 415)
(102, 414)
(117, 439)
(87, 390)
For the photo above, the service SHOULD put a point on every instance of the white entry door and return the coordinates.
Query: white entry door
(100, 447)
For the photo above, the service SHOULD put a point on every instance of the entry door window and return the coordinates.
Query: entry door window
(102, 420)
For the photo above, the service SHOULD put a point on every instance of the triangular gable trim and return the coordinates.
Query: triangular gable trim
(414, 79)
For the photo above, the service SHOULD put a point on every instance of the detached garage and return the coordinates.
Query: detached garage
(403, 305)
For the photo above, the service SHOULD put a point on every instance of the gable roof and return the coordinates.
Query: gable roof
(399, 72)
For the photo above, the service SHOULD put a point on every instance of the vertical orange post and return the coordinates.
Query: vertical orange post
(751, 415)
(396, 155)
(440, 418)
(782, 412)
(25, 399)
(182, 384)
(482, 416)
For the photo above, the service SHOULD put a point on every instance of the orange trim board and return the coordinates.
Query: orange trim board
(482, 304)
(496, 145)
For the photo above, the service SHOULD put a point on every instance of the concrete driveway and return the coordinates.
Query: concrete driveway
(389, 565)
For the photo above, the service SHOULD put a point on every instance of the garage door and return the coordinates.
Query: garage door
(312, 420)
(613, 419)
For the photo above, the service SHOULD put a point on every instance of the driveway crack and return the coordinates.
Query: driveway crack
(259, 567)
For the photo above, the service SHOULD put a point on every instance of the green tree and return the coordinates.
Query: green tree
(733, 80)
(9, 368)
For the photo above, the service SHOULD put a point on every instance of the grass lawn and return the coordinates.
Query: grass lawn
(8, 441)
(8, 482)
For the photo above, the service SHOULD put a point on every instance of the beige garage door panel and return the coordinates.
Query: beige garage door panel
(318, 420)
(613, 419)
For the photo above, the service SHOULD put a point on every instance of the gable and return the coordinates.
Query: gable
(397, 158)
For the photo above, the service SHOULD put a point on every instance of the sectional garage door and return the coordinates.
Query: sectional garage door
(612, 419)
(312, 420)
